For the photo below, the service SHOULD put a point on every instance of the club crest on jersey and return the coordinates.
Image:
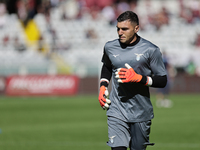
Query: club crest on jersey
(138, 56)
(111, 139)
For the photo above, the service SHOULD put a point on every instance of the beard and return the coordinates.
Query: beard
(128, 40)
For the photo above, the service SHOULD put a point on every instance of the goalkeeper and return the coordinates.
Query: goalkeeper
(134, 64)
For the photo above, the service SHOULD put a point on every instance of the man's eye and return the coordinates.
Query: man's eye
(124, 29)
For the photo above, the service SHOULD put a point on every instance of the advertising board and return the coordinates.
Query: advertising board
(42, 85)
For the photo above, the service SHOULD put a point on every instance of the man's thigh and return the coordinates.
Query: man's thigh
(118, 133)
(140, 135)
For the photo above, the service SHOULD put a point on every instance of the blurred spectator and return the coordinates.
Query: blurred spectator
(133, 5)
(26, 10)
(109, 13)
(55, 3)
(52, 33)
(114, 9)
(197, 40)
(190, 68)
(18, 46)
(162, 97)
(122, 6)
(195, 11)
(2, 15)
(186, 14)
(44, 8)
(6, 43)
(81, 4)
(70, 10)
(194, 66)
(91, 34)
(161, 18)
(53, 40)
(95, 7)
(42, 46)
(62, 45)
(63, 13)
(100, 4)
(22, 12)
(95, 12)
(190, 10)
(31, 8)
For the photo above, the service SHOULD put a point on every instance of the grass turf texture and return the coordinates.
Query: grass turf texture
(74, 123)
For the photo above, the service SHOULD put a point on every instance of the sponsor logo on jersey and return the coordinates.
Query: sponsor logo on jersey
(138, 56)
(116, 55)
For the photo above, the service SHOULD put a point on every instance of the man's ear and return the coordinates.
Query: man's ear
(137, 27)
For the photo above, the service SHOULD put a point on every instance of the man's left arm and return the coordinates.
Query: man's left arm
(159, 81)
(159, 78)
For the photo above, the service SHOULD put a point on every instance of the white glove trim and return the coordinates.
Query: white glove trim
(104, 79)
(149, 81)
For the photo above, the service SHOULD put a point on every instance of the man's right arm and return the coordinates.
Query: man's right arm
(106, 73)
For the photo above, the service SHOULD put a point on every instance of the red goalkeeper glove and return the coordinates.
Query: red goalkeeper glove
(127, 75)
(103, 94)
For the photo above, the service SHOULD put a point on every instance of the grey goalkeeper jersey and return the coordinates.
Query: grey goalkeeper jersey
(131, 101)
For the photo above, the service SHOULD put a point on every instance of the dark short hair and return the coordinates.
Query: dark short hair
(128, 15)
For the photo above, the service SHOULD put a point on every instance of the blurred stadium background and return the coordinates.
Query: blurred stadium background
(53, 49)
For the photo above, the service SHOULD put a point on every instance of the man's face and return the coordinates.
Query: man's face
(126, 31)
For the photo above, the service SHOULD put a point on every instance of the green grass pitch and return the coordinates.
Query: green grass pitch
(79, 123)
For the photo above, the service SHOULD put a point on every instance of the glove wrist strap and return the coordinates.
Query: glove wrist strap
(104, 82)
(146, 80)
(149, 81)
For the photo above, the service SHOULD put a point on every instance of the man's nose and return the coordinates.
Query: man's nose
(120, 32)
